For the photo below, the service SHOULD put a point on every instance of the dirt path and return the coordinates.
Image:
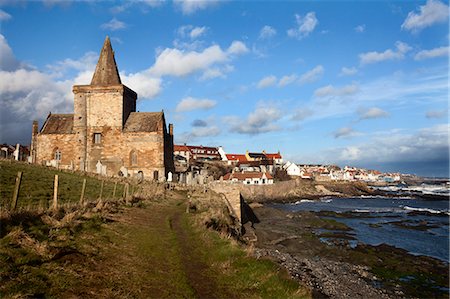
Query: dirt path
(149, 253)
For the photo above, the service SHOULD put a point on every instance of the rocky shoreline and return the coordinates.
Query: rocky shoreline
(338, 270)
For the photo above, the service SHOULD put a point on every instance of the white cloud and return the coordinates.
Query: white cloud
(267, 32)
(301, 114)
(197, 32)
(389, 54)
(436, 113)
(189, 7)
(190, 103)
(219, 72)
(7, 60)
(144, 83)
(312, 75)
(372, 113)
(191, 31)
(432, 12)
(262, 120)
(86, 63)
(286, 80)
(330, 90)
(4, 16)
(427, 144)
(176, 62)
(237, 48)
(345, 132)
(267, 81)
(113, 25)
(305, 25)
(360, 28)
(433, 53)
(345, 71)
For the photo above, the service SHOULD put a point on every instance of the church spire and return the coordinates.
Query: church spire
(106, 72)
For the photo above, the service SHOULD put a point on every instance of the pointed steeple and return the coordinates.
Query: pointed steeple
(106, 72)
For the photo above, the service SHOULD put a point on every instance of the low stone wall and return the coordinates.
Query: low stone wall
(294, 189)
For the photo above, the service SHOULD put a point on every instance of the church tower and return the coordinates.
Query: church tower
(99, 108)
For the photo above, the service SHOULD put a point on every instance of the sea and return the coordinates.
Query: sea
(417, 225)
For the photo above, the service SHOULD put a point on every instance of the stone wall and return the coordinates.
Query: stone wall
(47, 144)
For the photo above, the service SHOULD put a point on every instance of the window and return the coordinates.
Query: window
(58, 155)
(133, 158)
(97, 138)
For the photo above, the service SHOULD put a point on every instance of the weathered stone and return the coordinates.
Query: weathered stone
(105, 134)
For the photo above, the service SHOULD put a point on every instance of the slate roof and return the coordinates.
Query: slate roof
(144, 122)
(58, 124)
(106, 72)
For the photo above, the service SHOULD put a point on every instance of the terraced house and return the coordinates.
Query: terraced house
(105, 134)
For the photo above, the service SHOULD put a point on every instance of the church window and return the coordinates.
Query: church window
(97, 138)
(58, 155)
(133, 158)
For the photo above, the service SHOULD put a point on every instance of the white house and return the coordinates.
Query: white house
(249, 178)
(292, 169)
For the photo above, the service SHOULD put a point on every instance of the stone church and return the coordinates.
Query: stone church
(105, 134)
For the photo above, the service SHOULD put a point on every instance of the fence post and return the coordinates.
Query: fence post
(125, 190)
(101, 190)
(82, 192)
(55, 193)
(114, 190)
(16, 190)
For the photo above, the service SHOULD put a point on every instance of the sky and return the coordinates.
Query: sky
(361, 83)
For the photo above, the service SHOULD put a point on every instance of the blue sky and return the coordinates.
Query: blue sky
(362, 83)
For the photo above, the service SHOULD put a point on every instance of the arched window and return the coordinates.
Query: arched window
(58, 155)
(133, 158)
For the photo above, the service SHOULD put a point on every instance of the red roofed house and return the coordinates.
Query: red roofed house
(250, 178)
(235, 158)
(199, 153)
(275, 157)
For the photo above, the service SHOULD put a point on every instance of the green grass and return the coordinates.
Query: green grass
(239, 273)
(36, 188)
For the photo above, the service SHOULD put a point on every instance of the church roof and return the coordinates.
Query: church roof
(106, 72)
(58, 124)
(144, 122)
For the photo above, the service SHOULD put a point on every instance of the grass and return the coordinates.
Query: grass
(151, 250)
(239, 273)
(36, 188)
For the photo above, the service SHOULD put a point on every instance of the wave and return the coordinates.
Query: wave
(326, 200)
(379, 210)
(303, 201)
(413, 209)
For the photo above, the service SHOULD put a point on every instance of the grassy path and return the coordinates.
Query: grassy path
(140, 252)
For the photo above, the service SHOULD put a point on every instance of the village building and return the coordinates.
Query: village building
(249, 178)
(197, 152)
(292, 169)
(105, 134)
(17, 152)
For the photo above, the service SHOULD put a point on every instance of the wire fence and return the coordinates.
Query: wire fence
(24, 185)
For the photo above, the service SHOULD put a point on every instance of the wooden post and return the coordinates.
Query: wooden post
(101, 190)
(82, 192)
(55, 193)
(16, 191)
(114, 190)
(125, 190)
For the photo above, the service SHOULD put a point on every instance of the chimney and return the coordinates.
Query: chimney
(171, 129)
(34, 130)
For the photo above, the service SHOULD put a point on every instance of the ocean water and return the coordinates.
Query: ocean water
(377, 221)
